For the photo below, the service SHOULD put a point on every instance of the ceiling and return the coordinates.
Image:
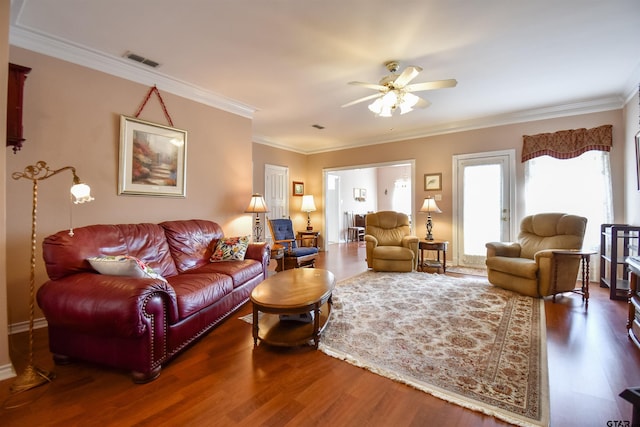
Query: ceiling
(287, 63)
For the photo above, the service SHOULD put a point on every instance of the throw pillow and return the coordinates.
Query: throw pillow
(230, 248)
(123, 265)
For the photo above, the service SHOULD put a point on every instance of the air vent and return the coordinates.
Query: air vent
(141, 59)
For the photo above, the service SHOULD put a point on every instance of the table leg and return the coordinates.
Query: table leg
(255, 325)
(585, 279)
(316, 325)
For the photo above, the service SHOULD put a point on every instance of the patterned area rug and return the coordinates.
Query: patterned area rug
(468, 270)
(459, 339)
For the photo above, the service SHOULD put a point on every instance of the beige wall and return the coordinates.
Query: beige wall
(632, 195)
(297, 164)
(71, 117)
(434, 154)
(6, 370)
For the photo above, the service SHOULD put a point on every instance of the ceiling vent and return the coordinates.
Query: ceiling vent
(141, 59)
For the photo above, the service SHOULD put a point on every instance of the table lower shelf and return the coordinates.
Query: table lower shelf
(288, 333)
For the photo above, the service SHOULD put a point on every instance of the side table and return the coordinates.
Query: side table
(308, 238)
(584, 264)
(433, 245)
(277, 253)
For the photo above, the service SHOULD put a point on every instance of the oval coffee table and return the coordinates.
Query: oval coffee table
(301, 295)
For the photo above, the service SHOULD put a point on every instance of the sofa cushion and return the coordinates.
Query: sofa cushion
(191, 242)
(239, 271)
(199, 290)
(392, 253)
(123, 265)
(230, 248)
(522, 267)
(65, 255)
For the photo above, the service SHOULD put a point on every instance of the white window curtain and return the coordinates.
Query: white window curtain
(580, 186)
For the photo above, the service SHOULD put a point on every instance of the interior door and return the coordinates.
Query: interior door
(483, 202)
(276, 194)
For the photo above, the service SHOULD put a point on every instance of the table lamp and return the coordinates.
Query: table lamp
(257, 205)
(429, 206)
(308, 205)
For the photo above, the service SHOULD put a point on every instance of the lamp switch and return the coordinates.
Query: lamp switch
(438, 197)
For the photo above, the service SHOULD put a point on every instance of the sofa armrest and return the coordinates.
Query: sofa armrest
(109, 305)
(260, 251)
(506, 249)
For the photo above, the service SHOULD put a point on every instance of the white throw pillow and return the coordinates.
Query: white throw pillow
(123, 265)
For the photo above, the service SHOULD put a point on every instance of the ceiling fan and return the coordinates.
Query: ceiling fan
(394, 92)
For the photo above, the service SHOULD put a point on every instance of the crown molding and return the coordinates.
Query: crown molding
(122, 68)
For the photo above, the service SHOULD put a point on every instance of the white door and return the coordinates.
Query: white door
(483, 203)
(276, 194)
(333, 219)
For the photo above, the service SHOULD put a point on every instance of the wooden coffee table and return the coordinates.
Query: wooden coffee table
(296, 291)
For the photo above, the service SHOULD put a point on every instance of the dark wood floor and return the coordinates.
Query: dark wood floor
(223, 381)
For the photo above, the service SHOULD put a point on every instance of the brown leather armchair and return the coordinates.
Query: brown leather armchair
(527, 266)
(390, 245)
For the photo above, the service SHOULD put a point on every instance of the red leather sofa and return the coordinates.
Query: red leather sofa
(138, 324)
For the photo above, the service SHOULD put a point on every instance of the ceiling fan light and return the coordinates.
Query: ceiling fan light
(376, 106)
(390, 99)
(386, 112)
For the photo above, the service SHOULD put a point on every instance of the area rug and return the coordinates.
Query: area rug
(459, 339)
(468, 270)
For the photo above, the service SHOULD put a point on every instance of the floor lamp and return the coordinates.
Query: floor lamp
(429, 206)
(257, 206)
(33, 376)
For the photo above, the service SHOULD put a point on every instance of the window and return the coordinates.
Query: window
(580, 186)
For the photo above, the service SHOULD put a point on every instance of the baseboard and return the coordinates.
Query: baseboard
(7, 371)
(16, 328)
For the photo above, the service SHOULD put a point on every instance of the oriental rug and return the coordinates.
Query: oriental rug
(467, 270)
(458, 339)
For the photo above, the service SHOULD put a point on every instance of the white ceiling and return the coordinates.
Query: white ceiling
(286, 63)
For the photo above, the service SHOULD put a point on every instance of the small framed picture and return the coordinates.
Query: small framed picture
(432, 181)
(298, 188)
(153, 159)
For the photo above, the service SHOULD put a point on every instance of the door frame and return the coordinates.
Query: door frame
(511, 154)
(327, 171)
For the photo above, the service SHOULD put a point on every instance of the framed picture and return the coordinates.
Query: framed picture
(298, 188)
(432, 181)
(153, 159)
(638, 159)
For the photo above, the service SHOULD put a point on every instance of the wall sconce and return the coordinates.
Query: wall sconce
(308, 205)
(257, 205)
(33, 376)
(429, 206)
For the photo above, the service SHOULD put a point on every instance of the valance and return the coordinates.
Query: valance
(567, 144)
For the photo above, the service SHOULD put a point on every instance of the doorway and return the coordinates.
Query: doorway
(365, 188)
(484, 202)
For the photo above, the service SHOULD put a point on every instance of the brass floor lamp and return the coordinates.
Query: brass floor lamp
(33, 376)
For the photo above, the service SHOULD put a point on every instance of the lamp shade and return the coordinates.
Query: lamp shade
(81, 193)
(430, 205)
(308, 205)
(257, 204)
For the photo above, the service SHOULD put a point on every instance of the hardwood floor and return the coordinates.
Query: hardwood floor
(222, 380)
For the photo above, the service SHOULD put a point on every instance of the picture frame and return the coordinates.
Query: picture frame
(637, 137)
(153, 159)
(432, 181)
(298, 188)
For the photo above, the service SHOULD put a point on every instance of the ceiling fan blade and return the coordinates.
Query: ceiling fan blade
(407, 75)
(357, 101)
(437, 84)
(422, 103)
(369, 85)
